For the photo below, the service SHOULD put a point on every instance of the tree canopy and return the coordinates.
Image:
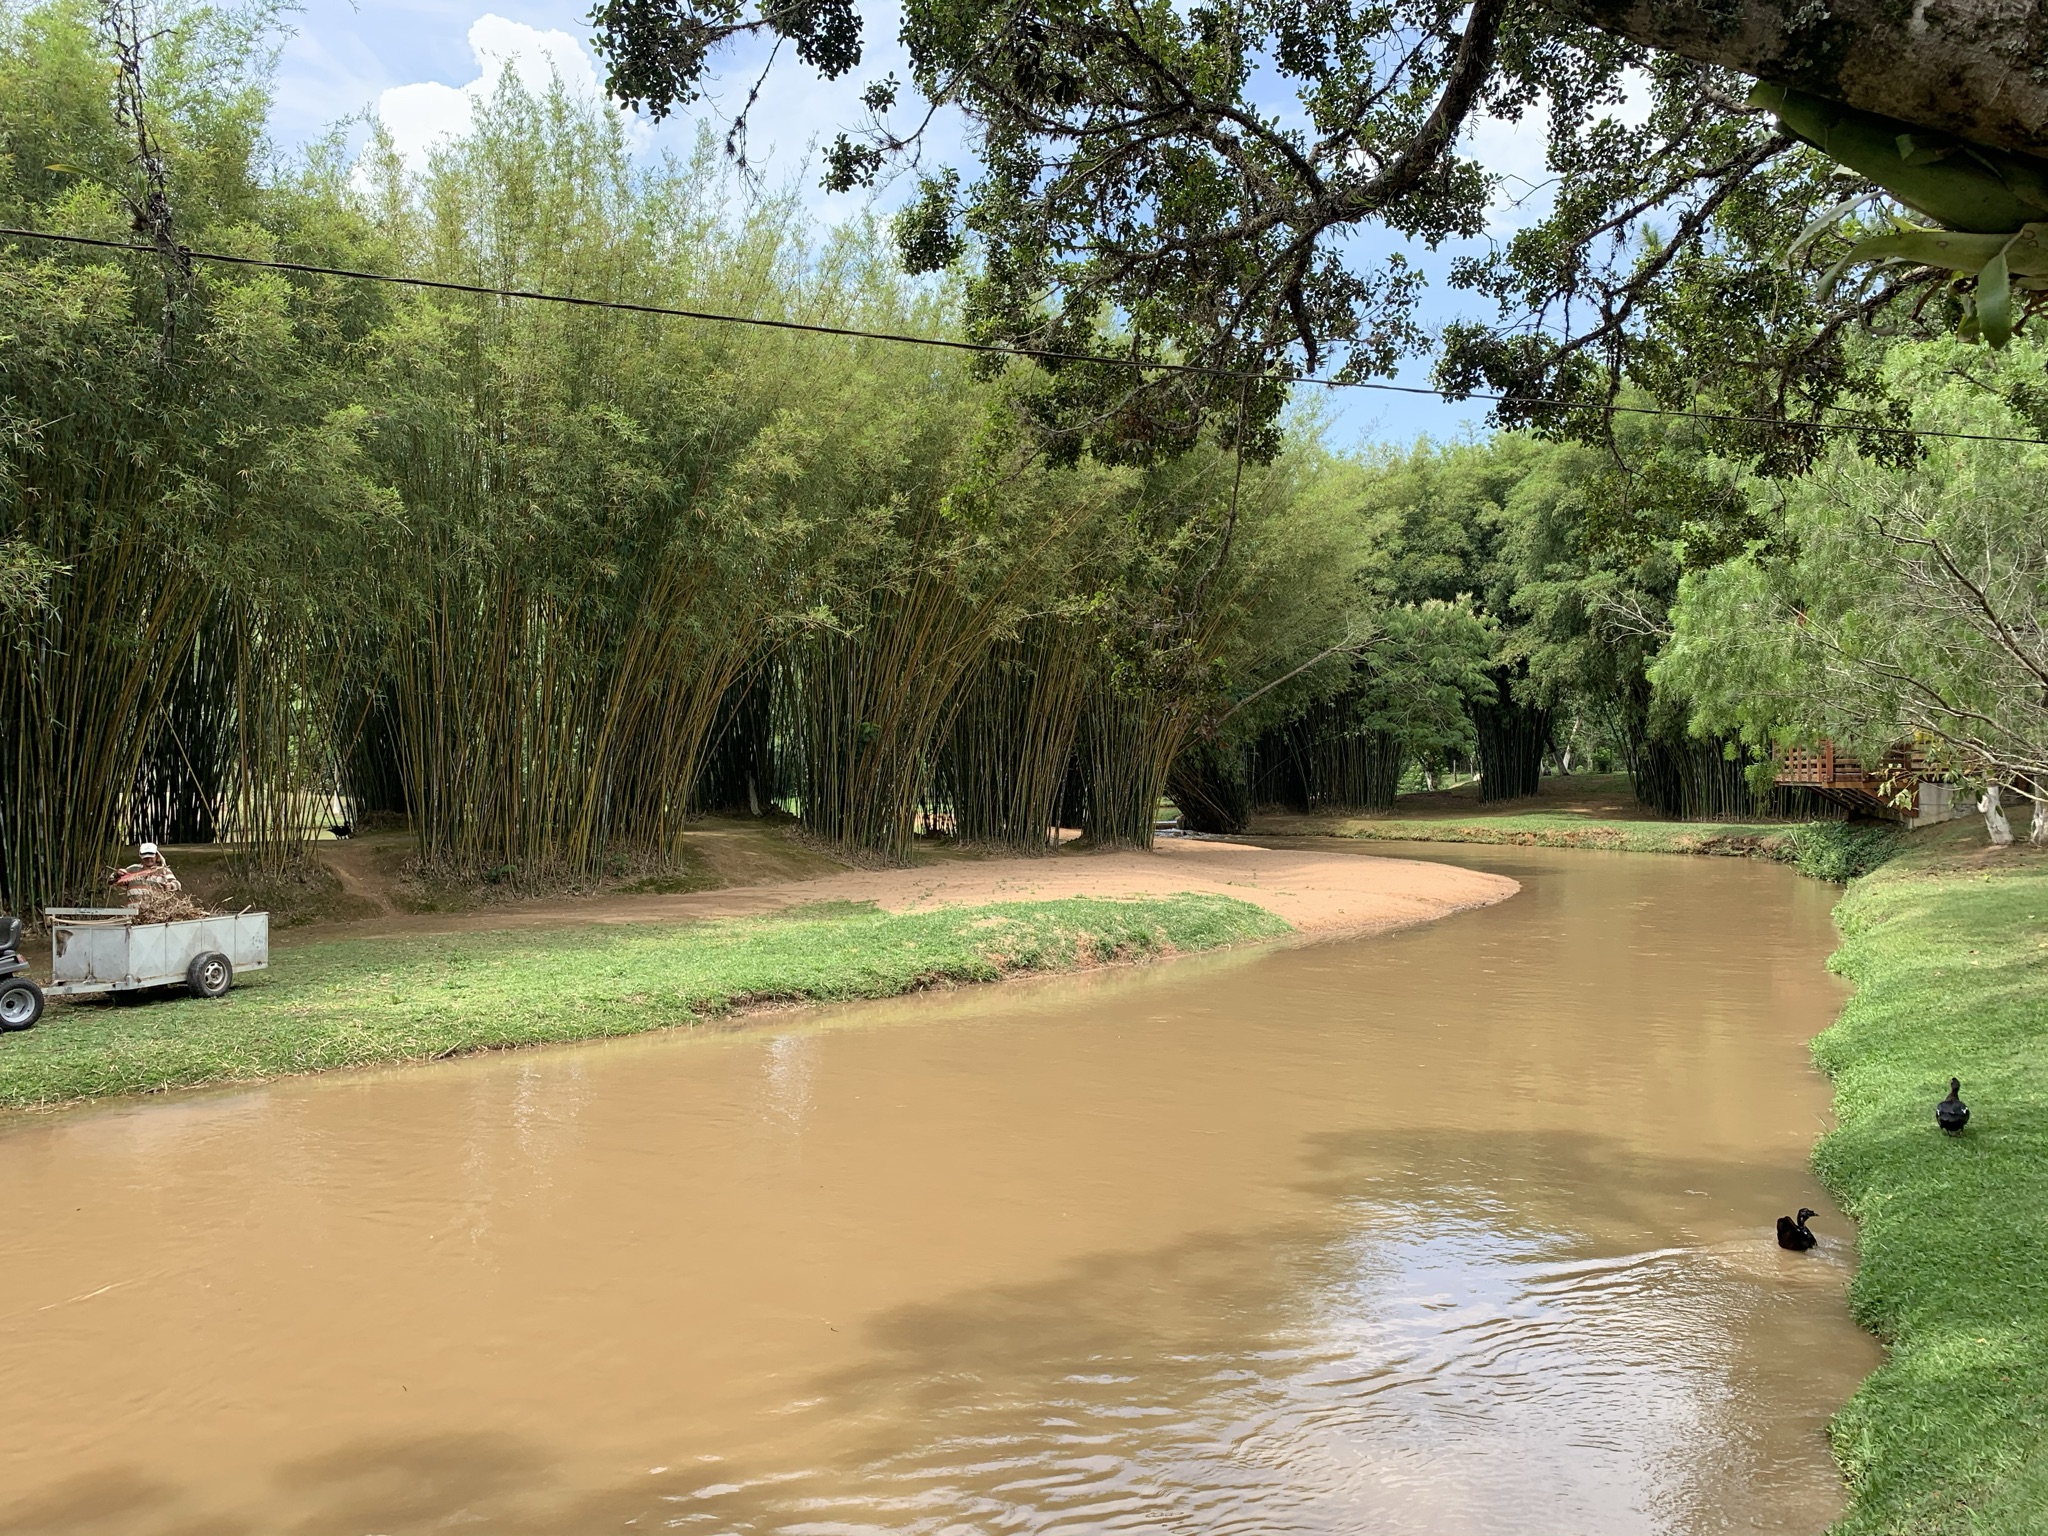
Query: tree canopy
(1891, 602)
(548, 581)
(1162, 182)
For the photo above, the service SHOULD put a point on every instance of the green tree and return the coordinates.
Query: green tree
(1197, 172)
(150, 463)
(1892, 601)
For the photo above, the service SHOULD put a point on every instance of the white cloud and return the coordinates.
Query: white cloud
(794, 113)
(418, 117)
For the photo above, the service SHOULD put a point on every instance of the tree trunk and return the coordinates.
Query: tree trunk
(1013, 738)
(1280, 769)
(1968, 67)
(1126, 745)
(1691, 779)
(1513, 739)
(1994, 816)
(1321, 762)
(2038, 834)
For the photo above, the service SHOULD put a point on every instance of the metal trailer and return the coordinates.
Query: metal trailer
(103, 949)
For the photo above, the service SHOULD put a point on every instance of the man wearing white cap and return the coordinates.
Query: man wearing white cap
(152, 874)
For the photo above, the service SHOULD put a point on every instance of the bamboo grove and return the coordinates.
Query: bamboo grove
(546, 583)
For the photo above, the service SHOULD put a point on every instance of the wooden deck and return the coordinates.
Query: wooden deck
(1891, 788)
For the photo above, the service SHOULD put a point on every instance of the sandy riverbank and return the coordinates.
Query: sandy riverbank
(1324, 895)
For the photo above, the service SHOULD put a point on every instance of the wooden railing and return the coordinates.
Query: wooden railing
(1842, 776)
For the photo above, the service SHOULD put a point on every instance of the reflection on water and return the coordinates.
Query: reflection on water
(1461, 1230)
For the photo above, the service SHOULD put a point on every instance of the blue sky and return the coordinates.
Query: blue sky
(409, 64)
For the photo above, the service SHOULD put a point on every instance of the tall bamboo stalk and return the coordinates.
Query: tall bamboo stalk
(1128, 740)
(1513, 737)
(1013, 737)
(871, 704)
(1321, 760)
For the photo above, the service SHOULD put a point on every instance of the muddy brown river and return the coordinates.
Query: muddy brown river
(1465, 1229)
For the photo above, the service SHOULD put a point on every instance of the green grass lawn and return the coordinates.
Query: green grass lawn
(1948, 947)
(355, 1002)
(1563, 829)
(1826, 850)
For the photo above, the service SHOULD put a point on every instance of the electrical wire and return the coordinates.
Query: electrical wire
(998, 349)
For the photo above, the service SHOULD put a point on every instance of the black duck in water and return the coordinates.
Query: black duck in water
(1792, 1232)
(1952, 1114)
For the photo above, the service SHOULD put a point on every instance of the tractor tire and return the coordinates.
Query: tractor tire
(21, 1003)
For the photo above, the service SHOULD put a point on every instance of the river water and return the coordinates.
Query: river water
(1465, 1229)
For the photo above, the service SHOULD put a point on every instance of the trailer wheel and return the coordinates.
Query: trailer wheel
(21, 1003)
(209, 975)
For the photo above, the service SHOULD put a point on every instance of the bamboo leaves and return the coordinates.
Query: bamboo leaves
(520, 573)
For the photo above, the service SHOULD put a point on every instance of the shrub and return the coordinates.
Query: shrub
(1840, 851)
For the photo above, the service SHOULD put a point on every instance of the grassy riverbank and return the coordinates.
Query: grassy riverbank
(356, 1002)
(1583, 810)
(1826, 850)
(1597, 811)
(1948, 947)
(1552, 829)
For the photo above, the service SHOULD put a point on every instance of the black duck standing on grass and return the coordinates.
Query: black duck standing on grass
(1952, 1114)
(1792, 1231)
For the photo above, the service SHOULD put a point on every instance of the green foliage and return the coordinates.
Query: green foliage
(612, 519)
(658, 52)
(509, 569)
(1890, 601)
(1227, 598)
(1558, 829)
(1965, 186)
(1952, 1233)
(1427, 665)
(26, 575)
(1570, 556)
(144, 452)
(1373, 647)
(1986, 200)
(362, 1001)
(1839, 851)
(1436, 593)
(1694, 305)
(1170, 183)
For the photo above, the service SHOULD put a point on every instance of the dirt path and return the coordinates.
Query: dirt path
(1321, 894)
(354, 866)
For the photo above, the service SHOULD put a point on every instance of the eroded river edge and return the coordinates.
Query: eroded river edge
(1462, 1228)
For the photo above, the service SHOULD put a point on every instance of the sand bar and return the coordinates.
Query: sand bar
(1324, 895)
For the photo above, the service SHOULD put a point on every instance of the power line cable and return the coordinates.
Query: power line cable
(997, 349)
